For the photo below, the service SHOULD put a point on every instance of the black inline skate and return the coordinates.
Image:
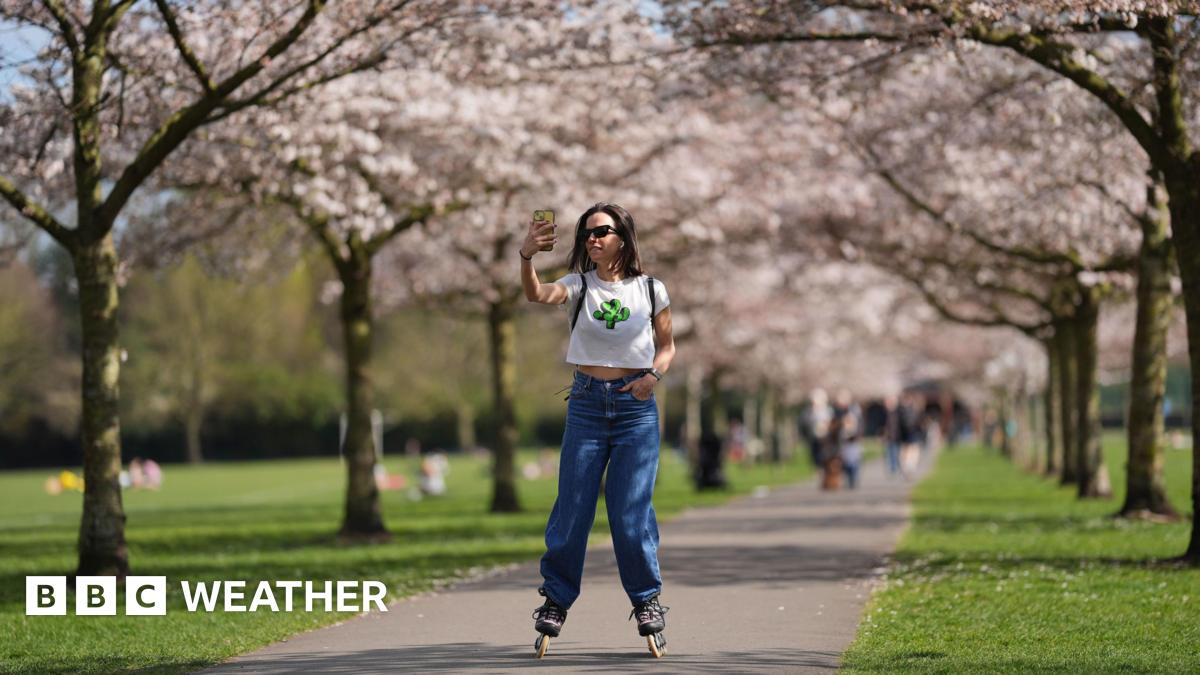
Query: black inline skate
(651, 624)
(550, 617)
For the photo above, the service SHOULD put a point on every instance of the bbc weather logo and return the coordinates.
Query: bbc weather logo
(147, 596)
(96, 596)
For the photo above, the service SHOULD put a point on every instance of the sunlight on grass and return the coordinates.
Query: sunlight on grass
(270, 521)
(1004, 571)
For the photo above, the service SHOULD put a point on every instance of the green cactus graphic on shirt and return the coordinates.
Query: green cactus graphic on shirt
(611, 312)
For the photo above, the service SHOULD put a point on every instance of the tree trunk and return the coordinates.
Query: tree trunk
(193, 419)
(1030, 416)
(1053, 410)
(364, 517)
(1183, 189)
(1004, 415)
(715, 419)
(1090, 459)
(102, 549)
(691, 422)
(1064, 339)
(750, 415)
(789, 425)
(1145, 491)
(770, 430)
(465, 425)
(502, 334)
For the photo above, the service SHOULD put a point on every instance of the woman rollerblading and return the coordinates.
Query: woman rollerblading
(550, 617)
(621, 344)
(651, 623)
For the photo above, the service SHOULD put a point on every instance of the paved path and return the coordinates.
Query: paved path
(772, 583)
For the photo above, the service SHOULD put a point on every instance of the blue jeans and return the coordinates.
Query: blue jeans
(891, 451)
(605, 427)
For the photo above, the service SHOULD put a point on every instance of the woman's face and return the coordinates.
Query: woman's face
(602, 250)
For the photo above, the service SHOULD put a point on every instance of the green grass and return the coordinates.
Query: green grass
(271, 521)
(1004, 571)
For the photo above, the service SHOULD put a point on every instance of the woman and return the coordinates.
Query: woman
(621, 345)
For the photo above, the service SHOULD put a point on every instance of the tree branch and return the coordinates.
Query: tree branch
(177, 127)
(1022, 252)
(189, 57)
(1057, 57)
(37, 215)
(67, 30)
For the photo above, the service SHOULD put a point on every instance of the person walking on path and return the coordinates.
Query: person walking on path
(846, 436)
(621, 345)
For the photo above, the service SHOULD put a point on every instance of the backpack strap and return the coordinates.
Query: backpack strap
(579, 302)
(650, 289)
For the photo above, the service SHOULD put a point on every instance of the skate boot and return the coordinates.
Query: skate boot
(550, 617)
(651, 624)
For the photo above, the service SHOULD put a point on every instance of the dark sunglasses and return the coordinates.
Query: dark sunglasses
(597, 232)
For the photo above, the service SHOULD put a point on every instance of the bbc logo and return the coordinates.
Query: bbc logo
(96, 596)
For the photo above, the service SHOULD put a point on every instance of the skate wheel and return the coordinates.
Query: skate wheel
(541, 644)
(657, 645)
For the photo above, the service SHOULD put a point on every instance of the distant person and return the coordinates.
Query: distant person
(848, 420)
(621, 345)
(737, 441)
(710, 474)
(152, 475)
(137, 477)
(814, 425)
(434, 467)
(891, 434)
(909, 434)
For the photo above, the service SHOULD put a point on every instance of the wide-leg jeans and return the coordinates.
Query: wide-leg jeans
(613, 429)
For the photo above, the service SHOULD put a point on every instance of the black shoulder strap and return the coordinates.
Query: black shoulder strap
(650, 288)
(579, 302)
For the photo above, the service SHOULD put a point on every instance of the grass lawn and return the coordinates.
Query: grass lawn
(273, 521)
(1003, 571)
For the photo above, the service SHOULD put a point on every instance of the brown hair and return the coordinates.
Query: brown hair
(629, 260)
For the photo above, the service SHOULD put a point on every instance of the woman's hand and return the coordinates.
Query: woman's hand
(541, 234)
(642, 387)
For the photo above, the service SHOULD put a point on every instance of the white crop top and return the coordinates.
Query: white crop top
(614, 327)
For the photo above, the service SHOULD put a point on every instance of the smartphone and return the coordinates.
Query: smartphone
(547, 216)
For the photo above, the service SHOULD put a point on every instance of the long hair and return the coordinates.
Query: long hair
(628, 260)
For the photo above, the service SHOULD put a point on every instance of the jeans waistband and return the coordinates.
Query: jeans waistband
(586, 380)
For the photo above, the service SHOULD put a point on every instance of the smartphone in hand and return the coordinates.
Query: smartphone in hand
(545, 216)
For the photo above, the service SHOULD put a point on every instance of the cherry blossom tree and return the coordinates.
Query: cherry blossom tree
(115, 90)
(1089, 45)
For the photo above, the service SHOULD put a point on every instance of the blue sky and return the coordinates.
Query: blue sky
(16, 45)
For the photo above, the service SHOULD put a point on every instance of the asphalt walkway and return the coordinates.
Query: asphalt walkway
(769, 583)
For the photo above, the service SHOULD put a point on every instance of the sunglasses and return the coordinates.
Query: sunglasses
(597, 232)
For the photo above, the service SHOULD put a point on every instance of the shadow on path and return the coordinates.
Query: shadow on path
(460, 656)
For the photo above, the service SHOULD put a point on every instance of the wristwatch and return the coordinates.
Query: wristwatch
(655, 372)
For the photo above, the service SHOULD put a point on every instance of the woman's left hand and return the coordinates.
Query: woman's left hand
(642, 387)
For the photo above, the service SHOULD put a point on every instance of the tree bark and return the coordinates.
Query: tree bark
(1145, 491)
(363, 517)
(1183, 191)
(102, 549)
(1090, 459)
(1053, 410)
(502, 339)
(1064, 340)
